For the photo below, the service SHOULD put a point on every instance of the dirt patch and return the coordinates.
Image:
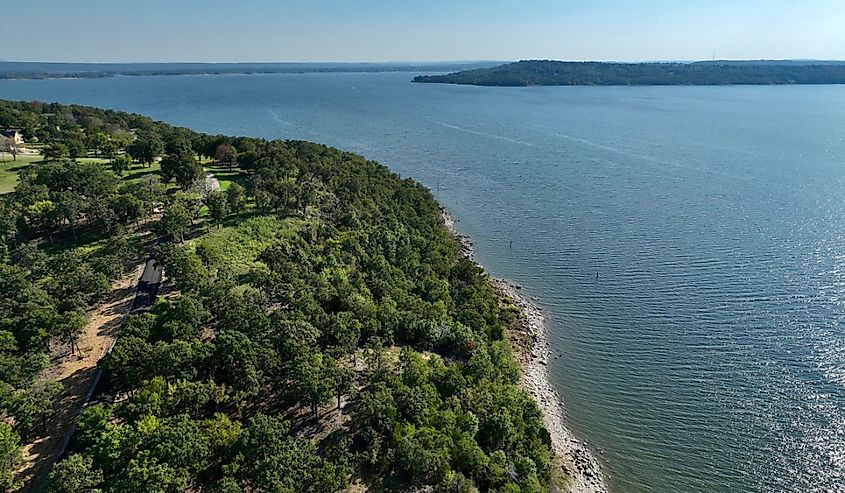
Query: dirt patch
(75, 373)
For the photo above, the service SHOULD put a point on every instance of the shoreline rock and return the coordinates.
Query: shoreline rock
(532, 350)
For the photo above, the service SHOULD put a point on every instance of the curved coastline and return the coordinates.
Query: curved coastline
(531, 349)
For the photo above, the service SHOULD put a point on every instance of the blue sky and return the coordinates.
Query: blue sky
(432, 30)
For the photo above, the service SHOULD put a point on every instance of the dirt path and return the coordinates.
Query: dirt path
(75, 372)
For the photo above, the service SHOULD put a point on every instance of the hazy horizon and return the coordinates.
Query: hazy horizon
(263, 31)
(407, 62)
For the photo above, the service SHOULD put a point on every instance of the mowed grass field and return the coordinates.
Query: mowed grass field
(226, 176)
(9, 170)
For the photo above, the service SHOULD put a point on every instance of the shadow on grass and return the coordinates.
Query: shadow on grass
(224, 174)
(17, 168)
(138, 174)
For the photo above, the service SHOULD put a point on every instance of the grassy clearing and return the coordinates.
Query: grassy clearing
(9, 169)
(225, 176)
(139, 171)
(93, 160)
(236, 248)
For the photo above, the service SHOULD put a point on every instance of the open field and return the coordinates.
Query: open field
(9, 169)
(226, 176)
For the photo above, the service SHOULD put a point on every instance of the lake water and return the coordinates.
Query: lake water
(709, 355)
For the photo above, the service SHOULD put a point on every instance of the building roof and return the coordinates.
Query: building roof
(9, 132)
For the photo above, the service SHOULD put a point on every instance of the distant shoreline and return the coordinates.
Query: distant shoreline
(709, 73)
(41, 71)
(111, 75)
(531, 349)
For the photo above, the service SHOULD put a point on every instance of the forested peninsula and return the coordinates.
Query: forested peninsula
(318, 329)
(558, 73)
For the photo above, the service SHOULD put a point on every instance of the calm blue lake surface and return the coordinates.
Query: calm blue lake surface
(709, 355)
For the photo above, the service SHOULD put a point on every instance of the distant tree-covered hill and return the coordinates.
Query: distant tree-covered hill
(556, 73)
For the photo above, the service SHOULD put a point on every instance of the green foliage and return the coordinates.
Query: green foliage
(55, 151)
(236, 198)
(269, 459)
(183, 167)
(146, 148)
(556, 73)
(76, 474)
(186, 268)
(226, 154)
(120, 164)
(175, 221)
(10, 456)
(218, 206)
(76, 148)
(334, 329)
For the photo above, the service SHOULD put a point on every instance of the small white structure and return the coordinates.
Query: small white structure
(11, 136)
(10, 139)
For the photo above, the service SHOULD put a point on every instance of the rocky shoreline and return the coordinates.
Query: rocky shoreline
(532, 350)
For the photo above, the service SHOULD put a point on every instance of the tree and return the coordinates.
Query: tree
(13, 150)
(191, 201)
(236, 199)
(374, 419)
(41, 216)
(10, 456)
(110, 149)
(178, 143)
(267, 458)
(69, 207)
(226, 154)
(97, 142)
(343, 379)
(120, 164)
(187, 312)
(186, 268)
(218, 206)
(76, 474)
(146, 148)
(182, 167)
(55, 151)
(314, 385)
(423, 453)
(70, 328)
(76, 149)
(175, 221)
(127, 208)
(247, 160)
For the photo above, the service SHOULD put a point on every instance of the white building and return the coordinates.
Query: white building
(10, 139)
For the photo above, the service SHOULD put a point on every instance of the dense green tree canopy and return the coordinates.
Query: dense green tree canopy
(557, 73)
(328, 330)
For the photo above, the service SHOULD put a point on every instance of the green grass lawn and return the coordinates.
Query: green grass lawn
(138, 171)
(9, 169)
(226, 177)
(94, 160)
